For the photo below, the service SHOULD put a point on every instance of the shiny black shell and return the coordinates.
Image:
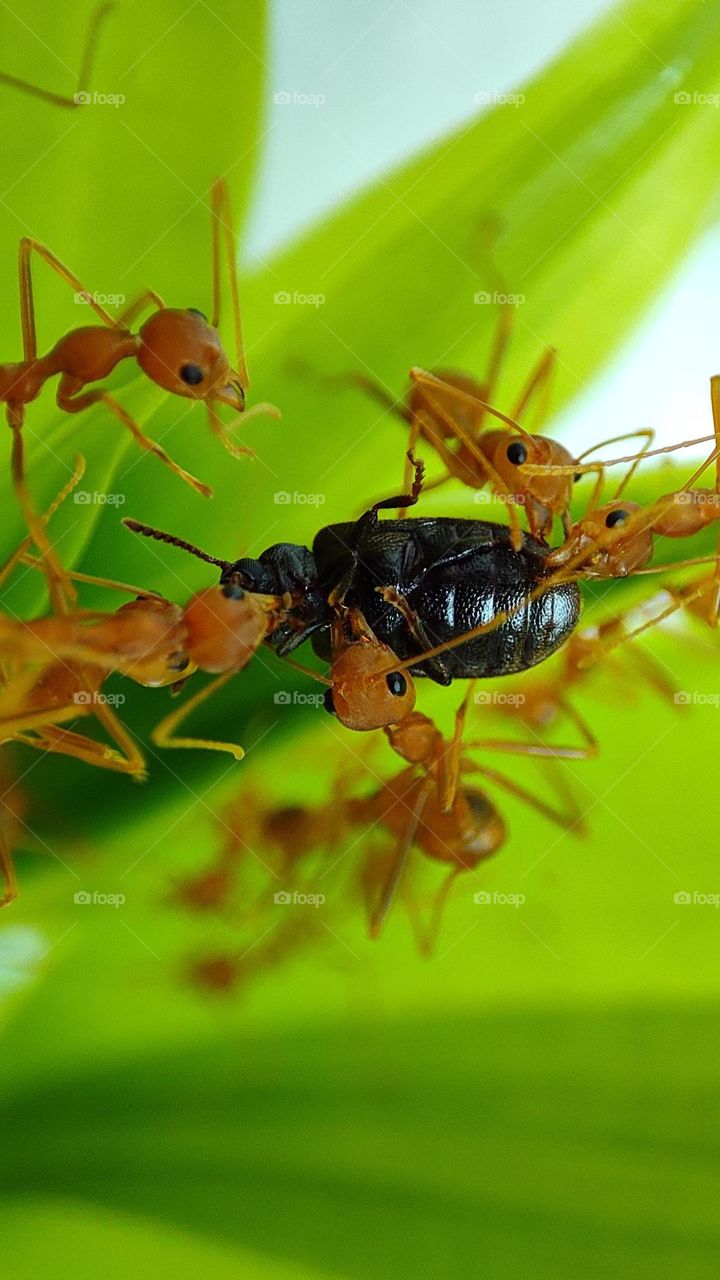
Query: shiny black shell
(455, 575)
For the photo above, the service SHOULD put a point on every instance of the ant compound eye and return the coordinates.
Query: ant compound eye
(616, 517)
(178, 661)
(516, 453)
(193, 311)
(397, 684)
(192, 374)
(328, 703)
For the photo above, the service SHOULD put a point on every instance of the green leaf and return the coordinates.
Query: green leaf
(546, 1144)
(538, 1099)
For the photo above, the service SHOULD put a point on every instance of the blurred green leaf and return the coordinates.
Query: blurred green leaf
(547, 1144)
(537, 1100)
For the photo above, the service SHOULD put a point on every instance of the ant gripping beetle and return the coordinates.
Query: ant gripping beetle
(530, 471)
(417, 585)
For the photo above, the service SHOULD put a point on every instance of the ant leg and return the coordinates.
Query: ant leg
(59, 586)
(684, 597)
(450, 764)
(65, 742)
(8, 878)
(27, 247)
(569, 820)
(538, 385)
(371, 386)
(400, 860)
(127, 318)
(428, 942)
(48, 735)
(222, 432)
(222, 222)
(21, 553)
(436, 667)
(79, 98)
(70, 402)
(163, 735)
(506, 318)
(123, 740)
(486, 473)
(714, 610)
(544, 749)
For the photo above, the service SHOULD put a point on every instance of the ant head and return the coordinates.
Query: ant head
(507, 452)
(366, 693)
(182, 353)
(610, 541)
(415, 739)
(225, 625)
(149, 636)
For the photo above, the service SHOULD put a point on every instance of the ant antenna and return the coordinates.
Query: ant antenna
(159, 535)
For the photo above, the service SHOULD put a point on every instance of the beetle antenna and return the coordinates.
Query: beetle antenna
(159, 535)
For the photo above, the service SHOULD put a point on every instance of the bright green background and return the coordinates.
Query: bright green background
(540, 1098)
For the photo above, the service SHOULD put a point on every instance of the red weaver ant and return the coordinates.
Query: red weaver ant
(179, 350)
(532, 471)
(448, 409)
(430, 807)
(52, 670)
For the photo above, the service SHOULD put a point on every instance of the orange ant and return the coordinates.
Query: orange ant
(287, 845)
(429, 806)
(617, 539)
(52, 670)
(530, 471)
(178, 349)
(448, 409)
(363, 689)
